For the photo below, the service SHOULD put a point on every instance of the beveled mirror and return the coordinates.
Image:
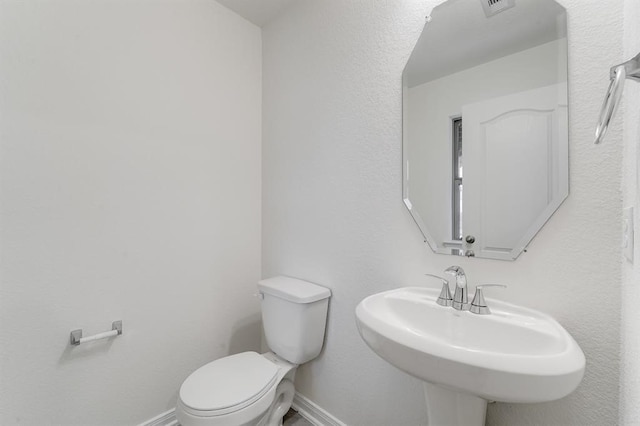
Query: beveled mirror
(485, 125)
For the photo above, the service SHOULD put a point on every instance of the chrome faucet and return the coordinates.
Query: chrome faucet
(478, 304)
(445, 298)
(460, 299)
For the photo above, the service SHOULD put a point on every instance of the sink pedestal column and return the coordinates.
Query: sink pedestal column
(449, 408)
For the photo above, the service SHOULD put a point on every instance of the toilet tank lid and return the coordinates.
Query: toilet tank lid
(293, 289)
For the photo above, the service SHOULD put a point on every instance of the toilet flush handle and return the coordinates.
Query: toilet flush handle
(259, 295)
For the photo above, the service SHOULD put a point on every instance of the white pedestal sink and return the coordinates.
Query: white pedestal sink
(514, 354)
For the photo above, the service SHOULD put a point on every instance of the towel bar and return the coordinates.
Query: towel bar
(630, 70)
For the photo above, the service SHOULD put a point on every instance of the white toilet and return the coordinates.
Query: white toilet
(252, 389)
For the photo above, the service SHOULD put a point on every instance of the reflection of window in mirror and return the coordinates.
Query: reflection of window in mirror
(456, 190)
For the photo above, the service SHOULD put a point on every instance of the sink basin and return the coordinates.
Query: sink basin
(514, 354)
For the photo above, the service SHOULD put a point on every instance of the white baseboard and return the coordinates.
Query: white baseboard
(168, 418)
(303, 405)
(312, 412)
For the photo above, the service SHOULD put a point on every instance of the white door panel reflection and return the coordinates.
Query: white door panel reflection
(515, 167)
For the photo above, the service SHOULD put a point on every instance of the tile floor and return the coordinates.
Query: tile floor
(292, 418)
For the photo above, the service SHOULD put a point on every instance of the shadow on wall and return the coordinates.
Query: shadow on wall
(246, 335)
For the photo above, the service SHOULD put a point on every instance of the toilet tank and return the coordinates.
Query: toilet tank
(294, 315)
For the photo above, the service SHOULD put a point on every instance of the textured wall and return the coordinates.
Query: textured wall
(630, 368)
(130, 189)
(332, 210)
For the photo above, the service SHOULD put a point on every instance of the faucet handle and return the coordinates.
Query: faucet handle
(445, 298)
(478, 304)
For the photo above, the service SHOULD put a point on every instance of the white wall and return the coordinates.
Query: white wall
(130, 164)
(630, 292)
(432, 105)
(332, 209)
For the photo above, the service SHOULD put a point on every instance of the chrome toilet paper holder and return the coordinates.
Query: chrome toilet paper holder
(76, 335)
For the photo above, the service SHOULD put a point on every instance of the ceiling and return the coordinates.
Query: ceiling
(259, 12)
(459, 35)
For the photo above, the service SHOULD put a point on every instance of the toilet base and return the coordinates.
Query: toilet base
(282, 402)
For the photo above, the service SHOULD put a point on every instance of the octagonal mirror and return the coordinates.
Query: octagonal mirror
(485, 125)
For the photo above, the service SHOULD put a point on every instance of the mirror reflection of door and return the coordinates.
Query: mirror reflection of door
(513, 160)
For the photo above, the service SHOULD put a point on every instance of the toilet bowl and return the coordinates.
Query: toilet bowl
(257, 389)
(242, 389)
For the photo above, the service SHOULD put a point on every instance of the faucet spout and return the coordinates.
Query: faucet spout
(458, 272)
(460, 297)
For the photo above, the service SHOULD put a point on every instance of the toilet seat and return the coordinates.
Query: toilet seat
(228, 384)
